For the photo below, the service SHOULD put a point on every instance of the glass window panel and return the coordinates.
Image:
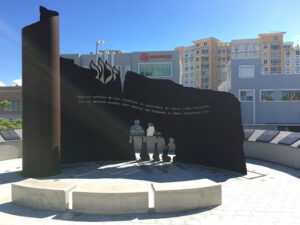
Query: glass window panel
(267, 96)
(246, 95)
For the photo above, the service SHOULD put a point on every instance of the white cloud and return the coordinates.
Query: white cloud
(17, 82)
(2, 84)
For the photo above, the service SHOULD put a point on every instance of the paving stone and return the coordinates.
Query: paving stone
(272, 199)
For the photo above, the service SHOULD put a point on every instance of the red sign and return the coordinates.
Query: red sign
(146, 57)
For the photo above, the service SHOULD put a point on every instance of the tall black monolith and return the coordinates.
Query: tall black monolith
(41, 96)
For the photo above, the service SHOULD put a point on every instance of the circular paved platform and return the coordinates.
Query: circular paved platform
(269, 194)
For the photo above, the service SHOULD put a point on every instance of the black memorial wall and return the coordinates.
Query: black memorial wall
(96, 117)
(74, 114)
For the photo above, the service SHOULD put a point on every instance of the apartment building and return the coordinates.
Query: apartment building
(203, 63)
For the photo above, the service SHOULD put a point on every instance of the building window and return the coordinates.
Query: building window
(219, 58)
(186, 68)
(205, 43)
(186, 61)
(197, 59)
(205, 66)
(223, 65)
(198, 80)
(265, 54)
(267, 96)
(287, 69)
(254, 55)
(275, 69)
(245, 56)
(191, 67)
(156, 69)
(198, 45)
(297, 52)
(246, 71)
(280, 95)
(204, 52)
(246, 95)
(186, 54)
(297, 68)
(186, 75)
(192, 75)
(192, 82)
(223, 51)
(219, 65)
(236, 48)
(192, 54)
(198, 72)
(254, 48)
(186, 82)
(197, 52)
(265, 61)
(206, 73)
(265, 69)
(223, 58)
(197, 65)
(236, 55)
(219, 51)
(206, 80)
(274, 54)
(198, 86)
(15, 105)
(228, 51)
(275, 47)
(275, 62)
(275, 38)
(287, 54)
(191, 61)
(246, 48)
(265, 45)
(290, 95)
(287, 60)
(297, 60)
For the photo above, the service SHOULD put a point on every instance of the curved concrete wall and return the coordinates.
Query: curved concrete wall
(10, 150)
(271, 151)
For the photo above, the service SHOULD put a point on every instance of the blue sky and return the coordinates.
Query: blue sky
(142, 25)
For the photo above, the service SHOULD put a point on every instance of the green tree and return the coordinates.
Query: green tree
(4, 103)
(6, 124)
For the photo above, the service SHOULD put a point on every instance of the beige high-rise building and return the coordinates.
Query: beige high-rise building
(203, 64)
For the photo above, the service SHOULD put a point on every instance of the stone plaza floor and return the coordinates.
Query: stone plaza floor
(268, 194)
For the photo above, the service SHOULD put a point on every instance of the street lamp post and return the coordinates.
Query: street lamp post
(97, 44)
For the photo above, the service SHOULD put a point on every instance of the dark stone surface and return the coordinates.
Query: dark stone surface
(91, 131)
(290, 139)
(9, 135)
(267, 136)
(99, 131)
(248, 133)
(41, 96)
(212, 139)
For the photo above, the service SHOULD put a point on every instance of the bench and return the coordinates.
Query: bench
(42, 194)
(187, 195)
(110, 199)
